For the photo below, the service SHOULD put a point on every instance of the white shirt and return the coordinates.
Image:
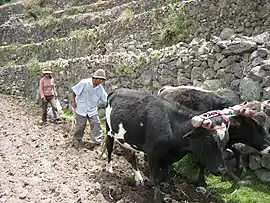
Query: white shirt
(88, 97)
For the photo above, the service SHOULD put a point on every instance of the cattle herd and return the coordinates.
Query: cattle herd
(179, 121)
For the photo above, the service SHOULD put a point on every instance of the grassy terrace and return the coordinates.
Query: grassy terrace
(94, 7)
(83, 42)
(46, 26)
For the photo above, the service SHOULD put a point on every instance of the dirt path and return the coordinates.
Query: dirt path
(38, 164)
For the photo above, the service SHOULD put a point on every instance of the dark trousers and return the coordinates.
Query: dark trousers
(95, 127)
(51, 100)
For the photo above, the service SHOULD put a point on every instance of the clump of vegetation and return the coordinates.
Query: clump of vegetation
(39, 13)
(85, 8)
(2, 2)
(127, 64)
(155, 54)
(55, 65)
(67, 114)
(123, 67)
(174, 29)
(188, 167)
(126, 15)
(28, 4)
(140, 61)
(36, 10)
(255, 94)
(34, 66)
(87, 34)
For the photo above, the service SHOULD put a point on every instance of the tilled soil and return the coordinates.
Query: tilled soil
(39, 164)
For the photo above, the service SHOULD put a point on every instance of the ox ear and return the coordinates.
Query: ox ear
(266, 107)
(197, 121)
(260, 118)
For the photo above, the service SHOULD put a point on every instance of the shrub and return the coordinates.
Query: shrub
(126, 15)
(188, 167)
(39, 13)
(28, 4)
(2, 2)
(34, 66)
(174, 29)
(124, 67)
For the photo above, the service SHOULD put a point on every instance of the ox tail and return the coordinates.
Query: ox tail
(104, 147)
(109, 96)
(106, 141)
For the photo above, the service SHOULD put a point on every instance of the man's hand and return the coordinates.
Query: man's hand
(44, 99)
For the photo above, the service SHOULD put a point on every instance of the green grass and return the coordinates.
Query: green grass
(252, 192)
(67, 114)
(174, 28)
(2, 2)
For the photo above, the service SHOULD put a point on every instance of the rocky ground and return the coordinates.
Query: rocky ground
(38, 164)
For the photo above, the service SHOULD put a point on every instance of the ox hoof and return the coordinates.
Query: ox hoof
(240, 172)
(109, 169)
(198, 183)
(139, 183)
(134, 183)
(148, 183)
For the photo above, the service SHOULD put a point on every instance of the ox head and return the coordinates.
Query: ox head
(255, 117)
(209, 139)
(265, 107)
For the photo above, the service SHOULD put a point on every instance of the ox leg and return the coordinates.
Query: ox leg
(156, 177)
(131, 157)
(201, 178)
(239, 167)
(109, 145)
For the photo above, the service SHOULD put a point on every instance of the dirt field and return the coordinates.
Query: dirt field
(38, 164)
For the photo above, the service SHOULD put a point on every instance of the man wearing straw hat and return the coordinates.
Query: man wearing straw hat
(48, 93)
(86, 97)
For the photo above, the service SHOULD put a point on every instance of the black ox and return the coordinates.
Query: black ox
(250, 126)
(163, 131)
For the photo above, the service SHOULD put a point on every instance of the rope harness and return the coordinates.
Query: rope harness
(213, 114)
(248, 106)
(225, 114)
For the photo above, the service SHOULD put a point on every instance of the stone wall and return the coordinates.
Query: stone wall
(7, 11)
(246, 17)
(251, 158)
(239, 63)
(205, 18)
(24, 32)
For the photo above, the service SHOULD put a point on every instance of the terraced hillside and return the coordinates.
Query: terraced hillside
(141, 44)
(217, 44)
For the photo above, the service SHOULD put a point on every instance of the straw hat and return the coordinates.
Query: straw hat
(46, 71)
(99, 74)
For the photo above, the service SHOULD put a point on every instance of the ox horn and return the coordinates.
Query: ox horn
(197, 121)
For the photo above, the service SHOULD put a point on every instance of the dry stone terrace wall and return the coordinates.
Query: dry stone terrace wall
(95, 7)
(64, 3)
(22, 32)
(9, 10)
(115, 35)
(206, 18)
(239, 63)
(245, 17)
